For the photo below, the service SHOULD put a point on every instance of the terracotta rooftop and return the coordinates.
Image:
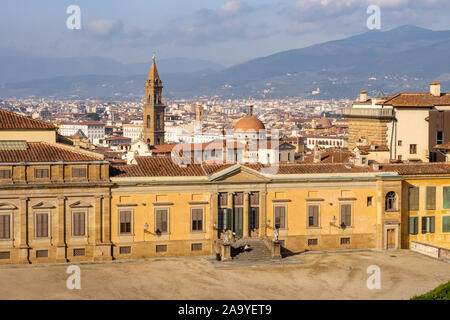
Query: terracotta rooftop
(11, 120)
(330, 156)
(44, 152)
(417, 99)
(165, 167)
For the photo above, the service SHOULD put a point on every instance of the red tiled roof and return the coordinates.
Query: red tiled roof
(43, 152)
(417, 99)
(417, 168)
(11, 120)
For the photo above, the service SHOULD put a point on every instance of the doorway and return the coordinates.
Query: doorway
(238, 219)
(391, 243)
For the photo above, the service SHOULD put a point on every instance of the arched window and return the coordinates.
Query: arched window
(391, 201)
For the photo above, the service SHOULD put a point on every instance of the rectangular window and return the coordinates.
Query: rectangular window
(223, 199)
(427, 224)
(446, 197)
(197, 219)
(5, 255)
(445, 223)
(431, 198)
(125, 250)
(439, 137)
(369, 201)
(79, 252)
(5, 174)
(399, 158)
(413, 225)
(345, 241)
(125, 221)
(346, 214)
(161, 248)
(161, 216)
(399, 143)
(79, 172)
(238, 199)
(412, 148)
(40, 173)
(79, 223)
(254, 218)
(413, 199)
(313, 242)
(41, 225)
(41, 253)
(280, 217)
(5, 226)
(196, 247)
(313, 215)
(254, 198)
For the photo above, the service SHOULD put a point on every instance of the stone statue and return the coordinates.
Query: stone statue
(275, 235)
(226, 239)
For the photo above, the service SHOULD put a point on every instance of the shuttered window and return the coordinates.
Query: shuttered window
(161, 248)
(313, 215)
(445, 223)
(427, 224)
(41, 173)
(196, 247)
(5, 174)
(79, 172)
(346, 214)
(79, 223)
(161, 216)
(345, 241)
(238, 199)
(197, 219)
(41, 225)
(446, 197)
(413, 225)
(125, 222)
(313, 242)
(431, 198)
(413, 198)
(5, 226)
(280, 217)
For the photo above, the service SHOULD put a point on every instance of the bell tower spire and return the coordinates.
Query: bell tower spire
(153, 109)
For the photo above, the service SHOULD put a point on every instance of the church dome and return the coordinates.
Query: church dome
(324, 122)
(249, 123)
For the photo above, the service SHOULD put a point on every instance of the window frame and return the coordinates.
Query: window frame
(11, 224)
(167, 209)
(413, 148)
(444, 217)
(416, 225)
(430, 228)
(192, 219)
(35, 214)
(131, 221)
(285, 216)
(78, 168)
(351, 213)
(42, 169)
(430, 206)
(308, 205)
(85, 212)
(412, 207)
(395, 202)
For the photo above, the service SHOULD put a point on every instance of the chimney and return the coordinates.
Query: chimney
(435, 89)
(363, 96)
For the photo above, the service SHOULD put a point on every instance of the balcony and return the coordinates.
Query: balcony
(367, 113)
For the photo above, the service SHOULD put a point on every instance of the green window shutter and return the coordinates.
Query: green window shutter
(416, 225)
(431, 198)
(413, 198)
(431, 221)
(445, 223)
(228, 219)
(413, 225)
(250, 217)
(424, 224)
(446, 197)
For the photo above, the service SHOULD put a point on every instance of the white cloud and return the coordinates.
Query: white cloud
(231, 8)
(104, 27)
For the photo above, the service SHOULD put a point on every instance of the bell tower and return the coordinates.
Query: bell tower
(153, 109)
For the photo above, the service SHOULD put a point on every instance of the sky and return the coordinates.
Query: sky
(223, 31)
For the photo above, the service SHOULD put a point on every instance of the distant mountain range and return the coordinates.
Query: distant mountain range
(403, 59)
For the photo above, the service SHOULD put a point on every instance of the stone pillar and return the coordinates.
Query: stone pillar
(213, 211)
(379, 200)
(225, 252)
(98, 220)
(262, 213)
(102, 251)
(245, 224)
(24, 226)
(106, 226)
(230, 206)
(59, 230)
(276, 250)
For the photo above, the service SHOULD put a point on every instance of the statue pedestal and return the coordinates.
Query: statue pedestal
(276, 250)
(225, 252)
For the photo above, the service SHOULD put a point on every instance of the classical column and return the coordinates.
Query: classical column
(102, 246)
(213, 212)
(230, 206)
(246, 204)
(262, 213)
(59, 230)
(379, 201)
(98, 220)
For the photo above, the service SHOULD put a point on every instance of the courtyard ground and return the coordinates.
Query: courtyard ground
(320, 276)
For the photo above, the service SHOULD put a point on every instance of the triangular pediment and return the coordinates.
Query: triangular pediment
(80, 204)
(7, 206)
(239, 174)
(43, 205)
